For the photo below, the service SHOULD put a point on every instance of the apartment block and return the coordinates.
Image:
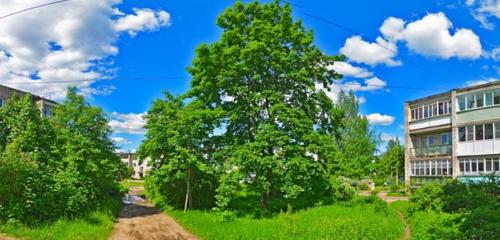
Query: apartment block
(140, 168)
(455, 134)
(45, 105)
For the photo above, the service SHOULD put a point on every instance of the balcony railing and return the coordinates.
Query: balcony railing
(431, 151)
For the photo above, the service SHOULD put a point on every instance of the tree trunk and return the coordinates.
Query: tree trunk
(397, 174)
(188, 190)
(264, 197)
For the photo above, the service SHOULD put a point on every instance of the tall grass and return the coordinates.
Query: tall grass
(96, 225)
(338, 221)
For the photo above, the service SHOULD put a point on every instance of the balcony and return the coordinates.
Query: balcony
(432, 151)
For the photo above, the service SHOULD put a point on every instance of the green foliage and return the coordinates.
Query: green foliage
(430, 225)
(428, 197)
(364, 186)
(342, 188)
(95, 225)
(54, 168)
(457, 211)
(390, 165)
(178, 138)
(338, 221)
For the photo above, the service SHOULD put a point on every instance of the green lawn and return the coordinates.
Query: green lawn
(97, 225)
(337, 221)
(132, 183)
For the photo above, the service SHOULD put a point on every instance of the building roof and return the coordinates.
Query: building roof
(36, 97)
(464, 89)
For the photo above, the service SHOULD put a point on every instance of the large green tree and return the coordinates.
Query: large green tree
(264, 73)
(390, 164)
(179, 139)
(357, 142)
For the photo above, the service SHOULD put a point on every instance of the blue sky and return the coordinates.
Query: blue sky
(435, 46)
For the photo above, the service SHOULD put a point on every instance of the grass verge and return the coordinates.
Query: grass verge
(132, 183)
(96, 225)
(352, 220)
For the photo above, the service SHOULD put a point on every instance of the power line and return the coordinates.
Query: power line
(32, 8)
(381, 86)
(345, 28)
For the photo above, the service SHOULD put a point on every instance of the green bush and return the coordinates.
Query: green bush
(427, 197)
(431, 225)
(342, 188)
(364, 187)
(482, 223)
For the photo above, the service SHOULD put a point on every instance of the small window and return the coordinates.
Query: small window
(444, 139)
(462, 165)
(473, 167)
(488, 101)
(496, 97)
(461, 134)
(480, 165)
(488, 165)
(431, 140)
(497, 130)
(467, 166)
(434, 109)
(470, 102)
(479, 132)
(420, 115)
(496, 164)
(488, 131)
(470, 133)
(413, 114)
(461, 103)
(1, 102)
(441, 108)
(426, 112)
(479, 99)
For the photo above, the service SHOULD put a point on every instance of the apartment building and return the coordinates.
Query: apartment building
(45, 105)
(455, 134)
(140, 168)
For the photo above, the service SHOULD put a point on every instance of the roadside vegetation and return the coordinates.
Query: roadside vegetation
(59, 174)
(361, 218)
(259, 148)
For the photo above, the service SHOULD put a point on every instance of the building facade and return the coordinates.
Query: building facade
(45, 106)
(455, 134)
(140, 168)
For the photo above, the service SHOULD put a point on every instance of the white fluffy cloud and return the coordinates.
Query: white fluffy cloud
(371, 84)
(430, 36)
(392, 28)
(379, 119)
(143, 20)
(484, 10)
(480, 81)
(348, 70)
(131, 123)
(361, 51)
(66, 42)
(120, 140)
(495, 54)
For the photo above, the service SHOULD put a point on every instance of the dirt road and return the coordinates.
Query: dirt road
(142, 221)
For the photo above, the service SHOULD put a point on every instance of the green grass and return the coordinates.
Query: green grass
(132, 183)
(337, 221)
(95, 226)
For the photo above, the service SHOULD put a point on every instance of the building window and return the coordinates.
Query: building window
(431, 168)
(479, 132)
(470, 102)
(434, 109)
(488, 101)
(441, 108)
(496, 97)
(1, 102)
(470, 133)
(497, 130)
(461, 103)
(461, 134)
(479, 99)
(488, 131)
(478, 166)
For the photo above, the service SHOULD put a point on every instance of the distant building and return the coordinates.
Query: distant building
(140, 169)
(45, 106)
(455, 134)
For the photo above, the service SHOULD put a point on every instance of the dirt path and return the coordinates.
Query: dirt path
(142, 221)
(407, 235)
(3, 237)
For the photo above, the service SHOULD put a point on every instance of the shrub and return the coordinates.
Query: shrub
(430, 225)
(482, 223)
(427, 197)
(364, 187)
(342, 188)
